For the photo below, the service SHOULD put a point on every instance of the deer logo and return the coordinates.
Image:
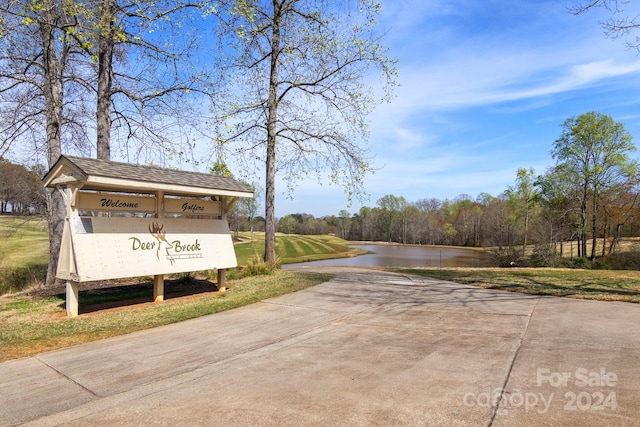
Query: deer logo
(156, 231)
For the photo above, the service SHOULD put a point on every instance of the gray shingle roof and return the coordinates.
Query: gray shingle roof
(150, 174)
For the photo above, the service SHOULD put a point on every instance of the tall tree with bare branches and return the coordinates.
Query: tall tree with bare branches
(143, 55)
(300, 98)
(620, 24)
(37, 95)
(70, 70)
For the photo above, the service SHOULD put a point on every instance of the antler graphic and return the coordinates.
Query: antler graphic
(156, 231)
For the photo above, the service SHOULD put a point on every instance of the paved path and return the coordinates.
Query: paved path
(366, 348)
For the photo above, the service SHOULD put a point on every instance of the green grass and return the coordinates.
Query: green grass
(603, 285)
(31, 325)
(293, 248)
(24, 252)
(25, 241)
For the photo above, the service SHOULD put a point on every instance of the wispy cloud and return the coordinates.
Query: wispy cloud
(485, 86)
(493, 79)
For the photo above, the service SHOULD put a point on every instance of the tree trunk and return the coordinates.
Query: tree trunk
(270, 231)
(594, 217)
(604, 237)
(53, 112)
(526, 231)
(616, 238)
(582, 251)
(105, 76)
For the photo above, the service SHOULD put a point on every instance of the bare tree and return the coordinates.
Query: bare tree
(145, 82)
(619, 24)
(38, 94)
(54, 53)
(299, 102)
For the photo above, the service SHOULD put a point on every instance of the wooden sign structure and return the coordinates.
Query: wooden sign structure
(126, 220)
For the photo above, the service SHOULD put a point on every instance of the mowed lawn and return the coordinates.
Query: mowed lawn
(602, 285)
(294, 248)
(24, 252)
(25, 241)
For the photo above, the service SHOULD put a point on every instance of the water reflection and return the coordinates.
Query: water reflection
(408, 256)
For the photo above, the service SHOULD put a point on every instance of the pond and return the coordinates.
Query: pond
(408, 256)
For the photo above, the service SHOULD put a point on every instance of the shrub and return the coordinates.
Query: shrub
(255, 267)
(19, 279)
(544, 255)
(581, 262)
(629, 260)
(601, 264)
(505, 257)
(188, 278)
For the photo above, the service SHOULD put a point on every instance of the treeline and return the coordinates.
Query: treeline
(509, 223)
(582, 206)
(21, 191)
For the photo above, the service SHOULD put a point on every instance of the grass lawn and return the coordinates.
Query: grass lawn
(293, 248)
(24, 241)
(32, 325)
(603, 285)
(24, 252)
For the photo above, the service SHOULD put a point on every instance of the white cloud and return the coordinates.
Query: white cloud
(484, 89)
(445, 65)
(494, 79)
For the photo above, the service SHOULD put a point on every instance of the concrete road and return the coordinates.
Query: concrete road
(366, 348)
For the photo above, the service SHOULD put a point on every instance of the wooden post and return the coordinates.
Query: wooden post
(72, 299)
(222, 273)
(222, 279)
(158, 288)
(70, 193)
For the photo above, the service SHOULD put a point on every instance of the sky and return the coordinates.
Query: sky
(485, 88)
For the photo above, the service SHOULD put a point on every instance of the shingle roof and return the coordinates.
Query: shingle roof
(149, 174)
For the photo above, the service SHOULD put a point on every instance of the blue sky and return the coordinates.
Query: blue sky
(485, 88)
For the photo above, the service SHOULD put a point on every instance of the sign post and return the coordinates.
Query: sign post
(108, 233)
(72, 304)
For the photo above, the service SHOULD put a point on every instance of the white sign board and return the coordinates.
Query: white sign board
(111, 248)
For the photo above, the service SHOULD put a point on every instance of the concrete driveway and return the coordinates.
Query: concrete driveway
(366, 348)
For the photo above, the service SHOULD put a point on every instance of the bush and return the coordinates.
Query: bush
(188, 278)
(581, 262)
(256, 267)
(19, 279)
(544, 255)
(601, 264)
(629, 260)
(505, 257)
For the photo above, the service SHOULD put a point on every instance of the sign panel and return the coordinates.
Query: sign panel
(111, 248)
(115, 202)
(191, 206)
